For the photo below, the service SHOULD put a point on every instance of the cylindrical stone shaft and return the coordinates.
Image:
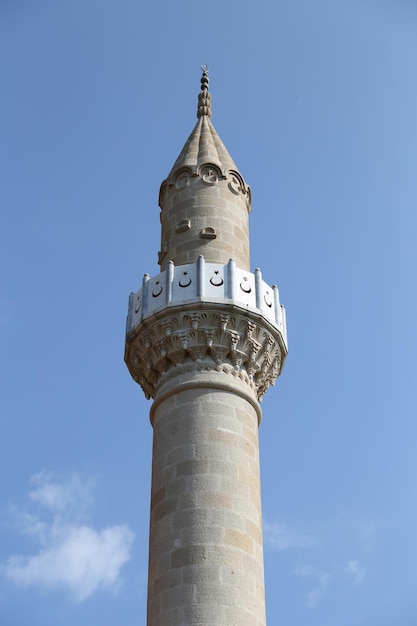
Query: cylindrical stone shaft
(208, 220)
(205, 556)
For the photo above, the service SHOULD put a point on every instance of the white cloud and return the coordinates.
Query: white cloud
(355, 570)
(303, 570)
(317, 594)
(72, 555)
(77, 558)
(70, 497)
(281, 537)
(27, 524)
(321, 580)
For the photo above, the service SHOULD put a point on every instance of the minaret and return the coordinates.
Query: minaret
(205, 339)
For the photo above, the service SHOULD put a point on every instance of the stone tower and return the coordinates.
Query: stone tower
(205, 339)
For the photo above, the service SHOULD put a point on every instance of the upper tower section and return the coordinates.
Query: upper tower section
(204, 200)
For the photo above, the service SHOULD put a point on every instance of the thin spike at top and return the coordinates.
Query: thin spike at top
(204, 97)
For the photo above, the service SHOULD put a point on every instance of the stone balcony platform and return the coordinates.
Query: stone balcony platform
(209, 283)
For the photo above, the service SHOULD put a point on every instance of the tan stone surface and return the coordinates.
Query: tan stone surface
(206, 361)
(204, 206)
(206, 562)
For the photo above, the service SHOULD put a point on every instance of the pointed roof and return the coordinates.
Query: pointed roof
(204, 144)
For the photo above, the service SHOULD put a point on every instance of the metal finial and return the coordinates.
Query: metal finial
(204, 98)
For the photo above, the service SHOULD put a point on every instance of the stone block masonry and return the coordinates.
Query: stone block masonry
(206, 559)
(205, 339)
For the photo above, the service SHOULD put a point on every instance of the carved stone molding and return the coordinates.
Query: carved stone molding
(208, 174)
(178, 341)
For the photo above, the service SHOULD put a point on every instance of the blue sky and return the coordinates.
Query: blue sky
(316, 102)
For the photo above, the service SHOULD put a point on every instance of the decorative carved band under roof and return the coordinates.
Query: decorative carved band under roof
(207, 338)
(208, 174)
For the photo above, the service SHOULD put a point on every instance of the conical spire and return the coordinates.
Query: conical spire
(204, 144)
(204, 200)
